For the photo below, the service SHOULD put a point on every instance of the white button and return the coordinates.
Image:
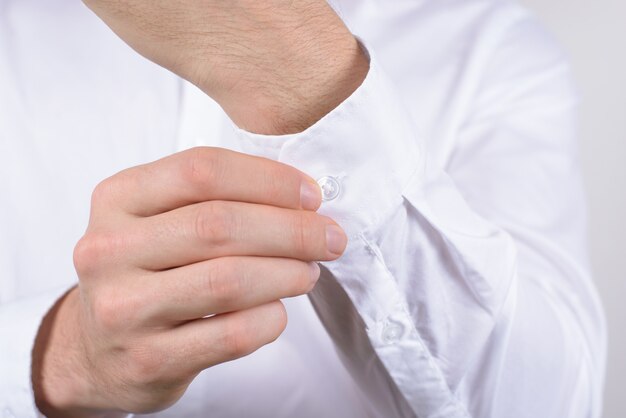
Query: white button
(392, 332)
(7, 413)
(330, 188)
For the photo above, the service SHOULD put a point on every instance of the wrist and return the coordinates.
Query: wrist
(296, 101)
(301, 69)
(59, 379)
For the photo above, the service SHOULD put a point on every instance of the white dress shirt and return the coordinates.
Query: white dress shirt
(465, 288)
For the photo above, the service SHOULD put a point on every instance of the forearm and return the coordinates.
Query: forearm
(275, 67)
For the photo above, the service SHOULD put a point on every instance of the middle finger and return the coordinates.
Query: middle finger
(213, 229)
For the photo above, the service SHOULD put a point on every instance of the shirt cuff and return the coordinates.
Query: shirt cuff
(362, 153)
(19, 325)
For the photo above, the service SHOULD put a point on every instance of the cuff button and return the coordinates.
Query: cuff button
(330, 188)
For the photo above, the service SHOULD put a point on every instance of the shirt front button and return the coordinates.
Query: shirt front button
(330, 188)
(7, 413)
(392, 332)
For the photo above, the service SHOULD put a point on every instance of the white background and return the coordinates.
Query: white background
(594, 35)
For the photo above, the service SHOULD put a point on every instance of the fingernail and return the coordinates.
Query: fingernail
(310, 195)
(315, 272)
(336, 239)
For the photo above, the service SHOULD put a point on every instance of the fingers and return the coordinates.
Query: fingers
(227, 284)
(216, 229)
(202, 174)
(210, 341)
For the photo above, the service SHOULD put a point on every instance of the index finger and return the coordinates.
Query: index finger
(207, 173)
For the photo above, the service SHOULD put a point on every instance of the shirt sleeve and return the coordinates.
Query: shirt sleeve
(19, 324)
(464, 289)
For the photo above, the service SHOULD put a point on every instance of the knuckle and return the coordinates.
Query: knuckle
(302, 232)
(103, 191)
(92, 250)
(213, 223)
(223, 283)
(201, 166)
(237, 340)
(105, 314)
(111, 187)
(84, 256)
(147, 366)
(114, 310)
(243, 336)
(275, 182)
(154, 374)
(114, 190)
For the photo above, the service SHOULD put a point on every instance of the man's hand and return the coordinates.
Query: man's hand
(275, 66)
(181, 268)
